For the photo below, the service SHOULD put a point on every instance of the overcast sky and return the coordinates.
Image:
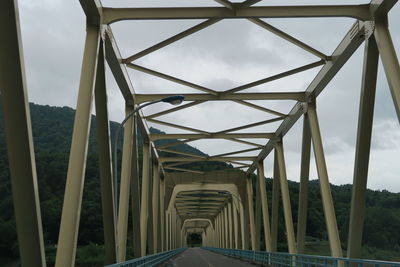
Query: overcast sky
(228, 54)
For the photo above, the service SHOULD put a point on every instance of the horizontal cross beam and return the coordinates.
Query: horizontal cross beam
(226, 159)
(360, 12)
(297, 96)
(211, 136)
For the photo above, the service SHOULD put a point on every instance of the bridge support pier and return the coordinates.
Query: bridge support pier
(363, 145)
(327, 202)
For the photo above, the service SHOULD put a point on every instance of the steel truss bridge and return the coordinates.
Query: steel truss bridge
(173, 200)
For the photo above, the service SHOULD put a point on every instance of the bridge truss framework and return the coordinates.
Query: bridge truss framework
(204, 208)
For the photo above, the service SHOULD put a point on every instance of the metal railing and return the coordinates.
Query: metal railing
(286, 259)
(151, 260)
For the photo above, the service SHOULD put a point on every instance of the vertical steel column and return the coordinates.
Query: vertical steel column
(17, 126)
(166, 231)
(170, 229)
(144, 204)
(173, 228)
(303, 194)
(258, 216)
(251, 212)
(235, 225)
(77, 160)
(327, 201)
(126, 172)
(104, 149)
(389, 60)
(226, 226)
(150, 222)
(243, 224)
(216, 231)
(275, 205)
(364, 131)
(264, 205)
(162, 214)
(287, 210)
(156, 211)
(229, 207)
(221, 227)
(135, 193)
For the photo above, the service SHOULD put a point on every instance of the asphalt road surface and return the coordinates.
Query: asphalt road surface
(197, 257)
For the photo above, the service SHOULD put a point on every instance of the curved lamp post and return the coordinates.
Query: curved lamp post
(173, 100)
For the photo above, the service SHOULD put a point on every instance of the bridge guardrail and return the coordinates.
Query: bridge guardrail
(286, 259)
(150, 260)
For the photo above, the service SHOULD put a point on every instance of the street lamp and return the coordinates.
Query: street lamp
(173, 100)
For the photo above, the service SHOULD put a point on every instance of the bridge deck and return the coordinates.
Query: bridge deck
(197, 257)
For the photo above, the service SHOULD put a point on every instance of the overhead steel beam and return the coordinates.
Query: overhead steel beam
(181, 35)
(177, 126)
(275, 77)
(182, 159)
(182, 153)
(254, 106)
(360, 12)
(237, 152)
(171, 78)
(172, 39)
(289, 38)
(389, 60)
(118, 70)
(353, 39)
(225, 3)
(176, 143)
(165, 112)
(250, 125)
(154, 137)
(297, 96)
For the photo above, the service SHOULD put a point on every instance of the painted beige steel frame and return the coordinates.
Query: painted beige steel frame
(264, 206)
(376, 12)
(303, 191)
(364, 132)
(327, 202)
(111, 15)
(18, 131)
(287, 210)
(125, 186)
(105, 166)
(68, 236)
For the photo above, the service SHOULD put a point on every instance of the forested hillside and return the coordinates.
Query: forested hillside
(52, 129)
